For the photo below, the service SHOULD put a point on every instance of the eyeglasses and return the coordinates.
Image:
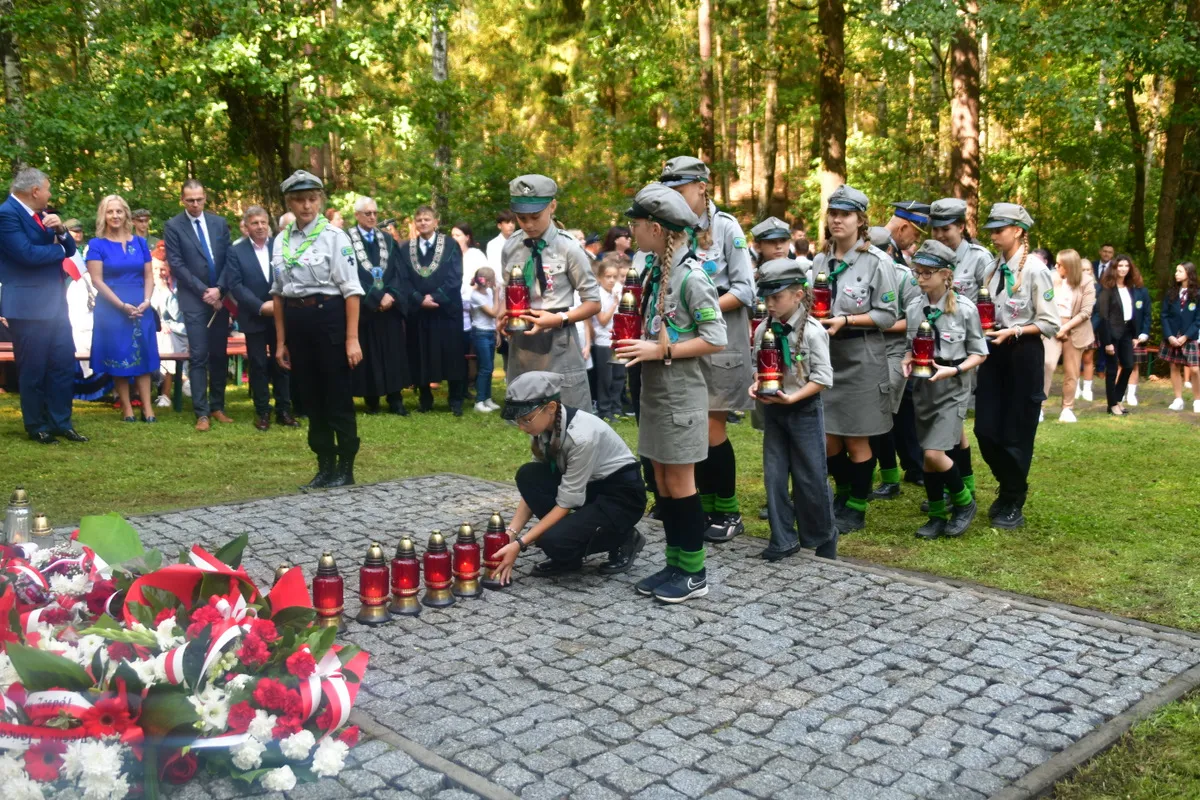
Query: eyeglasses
(525, 421)
(925, 273)
(369, 213)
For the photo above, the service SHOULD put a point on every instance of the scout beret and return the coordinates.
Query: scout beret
(140, 213)
(592, 239)
(660, 203)
(847, 198)
(947, 211)
(778, 274)
(529, 392)
(301, 181)
(1004, 214)
(684, 169)
(880, 237)
(529, 194)
(73, 225)
(912, 211)
(933, 253)
(771, 228)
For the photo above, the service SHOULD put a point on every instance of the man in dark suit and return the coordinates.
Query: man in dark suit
(248, 278)
(33, 298)
(197, 250)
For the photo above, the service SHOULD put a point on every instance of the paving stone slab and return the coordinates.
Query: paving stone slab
(803, 678)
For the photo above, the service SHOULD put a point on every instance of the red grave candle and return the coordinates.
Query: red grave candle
(373, 588)
(406, 579)
(922, 349)
(987, 309)
(494, 538)
(769, 365)
(328, 593)
(467, 558)
(516, 301)
(822, 297)
(438, 573)
(627, 322)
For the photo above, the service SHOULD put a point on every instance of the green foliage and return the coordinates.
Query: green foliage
(111, 537)
(41, 671)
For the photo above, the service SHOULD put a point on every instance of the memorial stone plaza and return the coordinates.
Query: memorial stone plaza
(812, 679)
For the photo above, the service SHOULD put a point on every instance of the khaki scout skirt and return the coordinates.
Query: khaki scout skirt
(860, 401)
(940, 410)
(552, 351)
(729, 373)
(674, 425)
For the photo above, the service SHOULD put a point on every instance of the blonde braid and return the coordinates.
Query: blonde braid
(675, 240)
(1024, 253)
(951, 302)
(704, 236)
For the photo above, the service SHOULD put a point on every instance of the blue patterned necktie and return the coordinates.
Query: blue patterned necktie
(212, 268)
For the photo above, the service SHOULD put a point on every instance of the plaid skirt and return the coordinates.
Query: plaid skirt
(1188, 355)
(1095, 345)
(1140, 356)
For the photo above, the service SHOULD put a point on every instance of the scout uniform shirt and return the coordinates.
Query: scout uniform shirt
(565, 267)
(807, 355)
(316, 260)
(727, 260)
(974, 261)
(584, 449)
(1032, 302)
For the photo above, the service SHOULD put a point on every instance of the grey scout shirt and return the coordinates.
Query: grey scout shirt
(808, 342)
(698, 314)
(866, 286)
(906, 288)
(567, 267)
(956, 335)
(590, 451)
(974, 260)
(727, 260)
(1032, 302)
(327, 266)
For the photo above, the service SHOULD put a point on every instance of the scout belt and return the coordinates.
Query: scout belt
(311, 300)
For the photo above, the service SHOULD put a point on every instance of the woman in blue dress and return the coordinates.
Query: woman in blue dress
(124, 344)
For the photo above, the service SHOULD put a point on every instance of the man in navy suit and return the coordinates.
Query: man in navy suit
(248, 278)
(33, 298)
(197, 250)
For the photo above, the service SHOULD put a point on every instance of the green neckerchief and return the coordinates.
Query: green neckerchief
(841, 267)
(1009, 278)
(292, 260)
(531, 270)
(781, 331)
(933, 314)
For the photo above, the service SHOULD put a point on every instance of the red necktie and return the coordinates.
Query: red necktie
(38, 220)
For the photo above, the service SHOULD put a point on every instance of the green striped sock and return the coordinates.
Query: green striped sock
(858, 504)
(890, 475)
(708, 502)
(937, 509)
(962, 498)
(691, 560)
(726, 505)
(672, 555)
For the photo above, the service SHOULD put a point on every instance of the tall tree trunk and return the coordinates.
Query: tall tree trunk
(14, 86)
(260, 124)
(722, 123)
(964, 113)
(733, 110)
(770, 139)
(1182, 111)
(937, 92)
(881, 106)
(1187, 213)
(1135, 239)
(831, 20)
(708, 145)
(441, 72)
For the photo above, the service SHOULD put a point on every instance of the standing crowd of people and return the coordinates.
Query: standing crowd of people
(867, 354)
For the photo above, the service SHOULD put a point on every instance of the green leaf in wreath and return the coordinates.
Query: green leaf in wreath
(41, 671)
(166, 709)
(111, 537)
(231, 552)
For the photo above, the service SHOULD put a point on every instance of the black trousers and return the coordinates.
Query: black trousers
(1116, 377)
(265, 373)
(208, 364)
(613, 506)
(1007, 403)
(316, 342)
(904, 434)
(45, 356)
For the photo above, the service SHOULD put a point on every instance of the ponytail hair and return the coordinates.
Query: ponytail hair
(951, 295)
(675, 240)
(704, 235)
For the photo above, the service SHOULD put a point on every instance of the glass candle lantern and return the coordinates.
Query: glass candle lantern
(822, 297)
(769, 365)
(18, 518)
(494, 538)
(329, 593)
(466, 559)
(922, 350)
(627, 322)
(406, 579)
(987, 309)
(373, 592)
(516, 301)
(438, 574)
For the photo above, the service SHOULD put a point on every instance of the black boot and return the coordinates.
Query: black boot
(1009, 515)
(326, 468)
(344, 474)
(932, 529)
(960, 519)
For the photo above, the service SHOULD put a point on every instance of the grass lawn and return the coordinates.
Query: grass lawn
(1113, 516)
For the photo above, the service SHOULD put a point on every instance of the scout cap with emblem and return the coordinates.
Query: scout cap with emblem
(771, 228)
(1004, 214)
(933, 253)
(847, 198)
(778, 274)
(659, 203)
(301, 181)
(140, 213)
(912, 211)
(684, 169)
(529, 194)
(947, 211)
(73, 225)
(529, 392)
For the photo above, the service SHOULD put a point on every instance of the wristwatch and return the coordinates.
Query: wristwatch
(957, 370)
(521, 544)
(566, 319)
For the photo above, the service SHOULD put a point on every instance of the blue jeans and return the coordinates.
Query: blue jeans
(485, 362)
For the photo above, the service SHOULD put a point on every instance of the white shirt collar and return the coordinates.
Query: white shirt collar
(194, 220)
(28, 210)
(266, 243)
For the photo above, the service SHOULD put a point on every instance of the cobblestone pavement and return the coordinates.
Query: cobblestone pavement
(799, 679)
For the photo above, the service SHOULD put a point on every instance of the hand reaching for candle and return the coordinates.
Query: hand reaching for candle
(942, 373)
(507, 557)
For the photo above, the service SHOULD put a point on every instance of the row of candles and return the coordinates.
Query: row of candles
(461, 571)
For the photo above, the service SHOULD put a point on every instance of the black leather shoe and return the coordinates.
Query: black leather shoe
(372, 410)
(849, 520)
(549, 568)
(287, 420)
(778, 555)
(996, 507)
(73, 435)
(326, 466)
(886, 491)
(1010, 517)
(399, 411)
(932, 529)
(621, 559)
(960, 519)
(764, 513)
(456, 410)
(43, 437)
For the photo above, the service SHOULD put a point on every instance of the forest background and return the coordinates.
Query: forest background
(1087, 113)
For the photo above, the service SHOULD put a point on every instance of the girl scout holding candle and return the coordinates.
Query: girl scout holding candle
(1011, 385)
(940, 401)
(554, 267)
(721, 248)
(682, 323)
(794, 419)
(864, 301)
(583, 484)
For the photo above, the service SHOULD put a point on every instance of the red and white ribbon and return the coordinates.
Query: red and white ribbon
(328, 679)
(206, 562)
(173, 664)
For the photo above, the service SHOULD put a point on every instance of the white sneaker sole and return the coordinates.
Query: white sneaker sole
(703, 590)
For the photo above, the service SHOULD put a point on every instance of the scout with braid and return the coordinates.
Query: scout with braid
(1012, 381)
(722, 250)
(682, 323)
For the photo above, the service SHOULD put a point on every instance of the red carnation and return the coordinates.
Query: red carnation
(253, 652)
(44, 759)
(301, 664)
(165, 614)
(98, 596)
(121, 651)
(287, 725)
(108, 717)
(201, 618)
(265, 629)
(271, 694)
(325, 719)
(292, 704)
(349, 735)
(179, 768)
(54, 615)
(240, 716)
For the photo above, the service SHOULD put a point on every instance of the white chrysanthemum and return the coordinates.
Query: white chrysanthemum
(147, 671)
(101, 762)
(106, 787)
(22, 788)
(262, 725)
(238, 682)
(279, 780)
(8, 675)
(330, 757)
(10, 769)
(165, 633)
(248, 755)
(297, 746)
(74, 586)
(86, 649)
(40, 557)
